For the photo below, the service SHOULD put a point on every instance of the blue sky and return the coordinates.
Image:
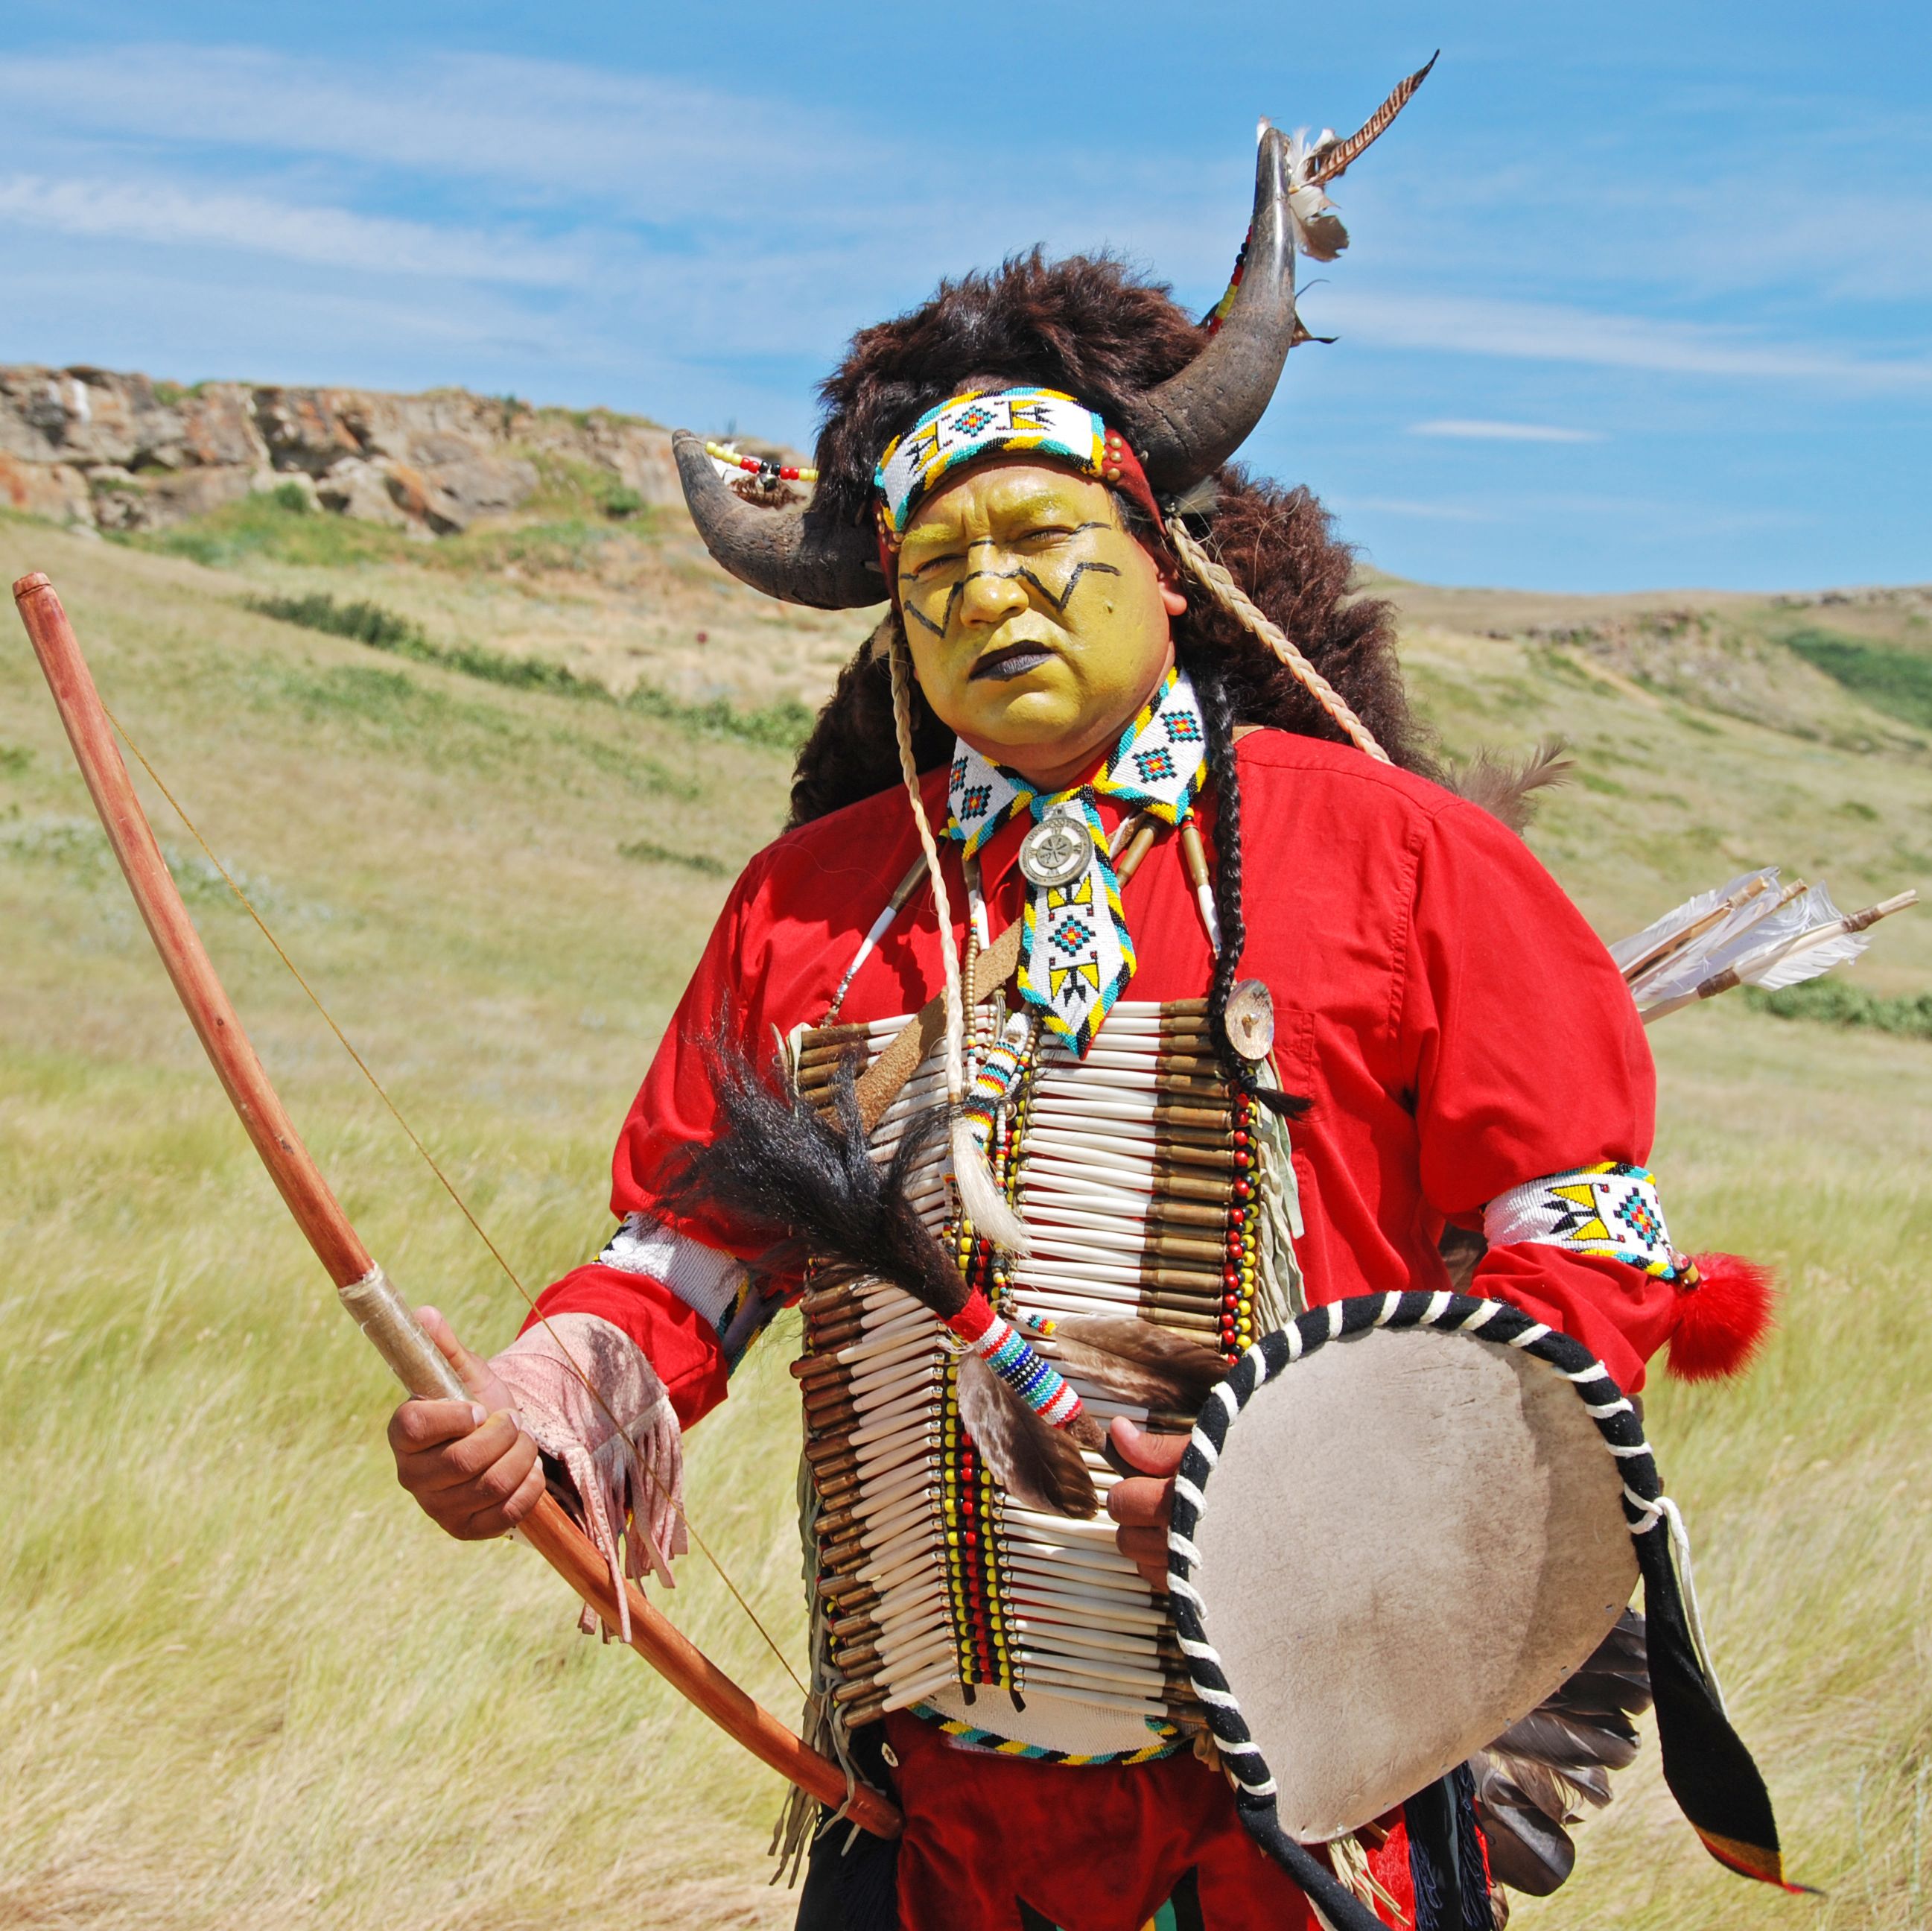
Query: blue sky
(1637, 295)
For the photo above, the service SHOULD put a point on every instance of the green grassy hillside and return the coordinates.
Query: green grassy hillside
(244, 1683)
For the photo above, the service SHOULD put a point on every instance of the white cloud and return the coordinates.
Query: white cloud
(664, 149)
(157, 211)
(680, 233)
(1462, 431)
(661, 168)
(1537, 331)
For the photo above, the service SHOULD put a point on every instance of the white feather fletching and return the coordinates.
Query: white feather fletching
(1761, 943)
(1786, 958)
(1807, 962)
(1742, 930)
(1754, 927)
(1627, 951)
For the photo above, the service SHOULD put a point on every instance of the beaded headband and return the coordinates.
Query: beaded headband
(1042, 423)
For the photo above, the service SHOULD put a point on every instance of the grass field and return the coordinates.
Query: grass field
(243, 1684)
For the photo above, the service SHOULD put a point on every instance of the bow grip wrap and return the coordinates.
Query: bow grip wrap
(396, 1334)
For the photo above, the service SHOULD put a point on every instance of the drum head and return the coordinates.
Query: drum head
(1406, 1540)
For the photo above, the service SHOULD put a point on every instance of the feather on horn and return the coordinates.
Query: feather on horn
(1188, 426)
(1332, 158)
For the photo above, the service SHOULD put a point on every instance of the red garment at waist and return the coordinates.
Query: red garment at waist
(1088, 1847)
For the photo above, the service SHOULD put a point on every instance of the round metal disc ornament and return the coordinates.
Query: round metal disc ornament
(1251, 1020)
(1057, 851)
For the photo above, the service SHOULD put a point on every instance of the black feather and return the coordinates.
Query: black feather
(1585, 1730)
(1529, 1850)
(1533, 1782)
(781, 1168)
(1036, 1463)
(1584, 1751)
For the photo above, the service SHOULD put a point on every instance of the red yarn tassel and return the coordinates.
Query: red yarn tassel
(1723, 1319)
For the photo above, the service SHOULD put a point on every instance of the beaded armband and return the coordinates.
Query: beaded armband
(1610, 1210)
(713, 1285)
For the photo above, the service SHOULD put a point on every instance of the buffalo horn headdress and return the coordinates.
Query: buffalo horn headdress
(1182, 430)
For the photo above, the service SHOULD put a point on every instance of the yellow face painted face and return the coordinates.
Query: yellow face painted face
(1038, 625)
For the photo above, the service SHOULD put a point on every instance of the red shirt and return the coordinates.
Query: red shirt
(1458, 1027)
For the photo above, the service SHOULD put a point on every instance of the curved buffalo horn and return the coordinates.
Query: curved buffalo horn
(795, 554)
(1194, 421)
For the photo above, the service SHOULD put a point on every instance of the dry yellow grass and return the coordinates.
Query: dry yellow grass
(243, 1684)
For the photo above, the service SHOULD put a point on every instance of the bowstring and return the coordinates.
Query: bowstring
(678, 1509)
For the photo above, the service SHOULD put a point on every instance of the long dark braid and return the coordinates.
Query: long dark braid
(1217, 712)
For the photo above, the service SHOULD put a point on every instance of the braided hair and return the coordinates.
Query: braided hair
(1211, 687)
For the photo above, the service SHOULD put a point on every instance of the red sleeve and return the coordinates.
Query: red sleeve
(677, 1106)
(1528, 1059)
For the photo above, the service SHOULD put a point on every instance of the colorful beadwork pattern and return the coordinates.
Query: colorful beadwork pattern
(1158, 765)
(968, 1498)
(991, 1090)
(1610, 1210)
(1035, 1382)
(1012, 422)
(1076, 954)
(1243, 1235)
(968, 1738)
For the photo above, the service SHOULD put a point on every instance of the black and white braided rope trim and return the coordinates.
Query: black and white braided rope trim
(1493, 1321)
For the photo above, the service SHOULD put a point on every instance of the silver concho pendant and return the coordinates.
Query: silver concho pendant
(1251, 1020)
(1057, 849)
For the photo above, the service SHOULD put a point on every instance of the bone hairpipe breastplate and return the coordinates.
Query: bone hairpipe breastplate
(1149, 1192)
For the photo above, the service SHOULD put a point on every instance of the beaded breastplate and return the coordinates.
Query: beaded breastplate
(1151, 1191)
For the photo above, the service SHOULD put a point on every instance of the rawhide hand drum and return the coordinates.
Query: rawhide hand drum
(1393, 1548)
(1400, 1524)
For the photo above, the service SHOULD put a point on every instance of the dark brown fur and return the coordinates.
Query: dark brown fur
(1091, 327)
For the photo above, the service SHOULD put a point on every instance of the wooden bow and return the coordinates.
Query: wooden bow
(384, 1316)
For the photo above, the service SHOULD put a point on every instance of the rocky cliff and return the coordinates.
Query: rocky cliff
(112, 452)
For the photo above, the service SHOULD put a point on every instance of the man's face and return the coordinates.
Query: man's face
(1038, 625)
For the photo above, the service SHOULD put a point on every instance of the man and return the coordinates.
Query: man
(1080, 635)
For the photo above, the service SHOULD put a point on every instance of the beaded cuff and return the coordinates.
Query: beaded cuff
(711, 1283)
(1610, 1210)
(1011, 1357)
